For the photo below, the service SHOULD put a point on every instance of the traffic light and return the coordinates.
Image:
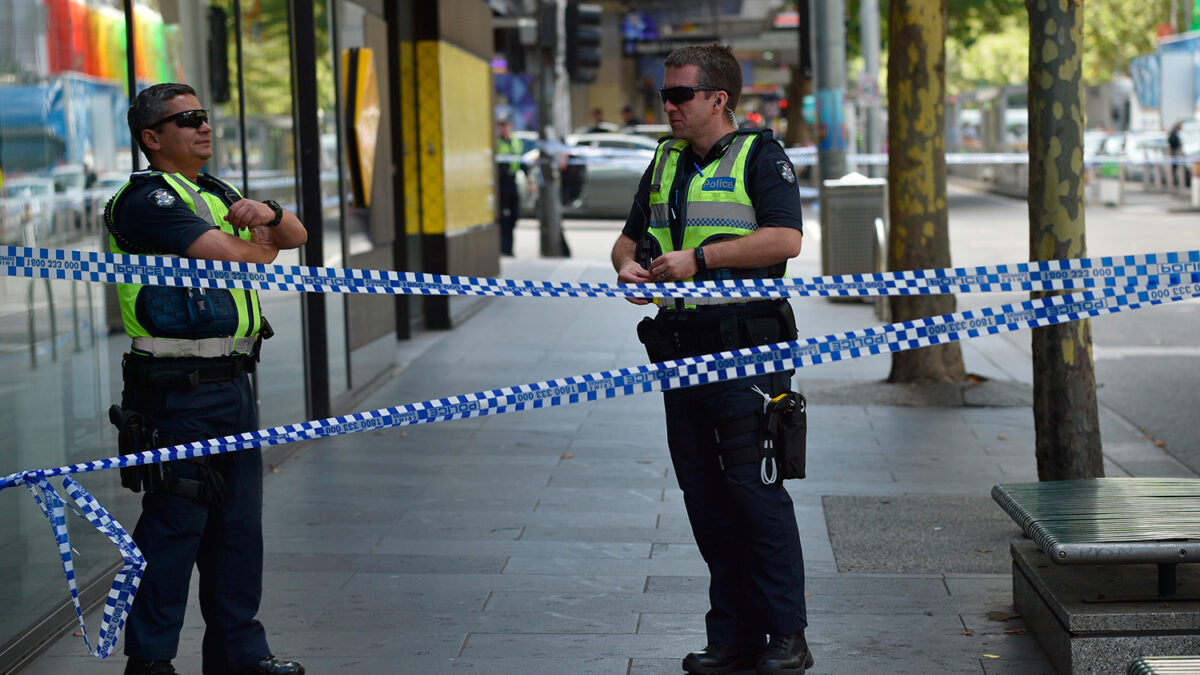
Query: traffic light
(582, 41)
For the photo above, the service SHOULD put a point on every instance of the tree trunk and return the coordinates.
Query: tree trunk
(919, 234)
(1064, 382)
(798, 131)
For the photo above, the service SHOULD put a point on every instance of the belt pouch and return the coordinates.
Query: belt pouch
(785, 430)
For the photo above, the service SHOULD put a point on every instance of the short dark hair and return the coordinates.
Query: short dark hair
(150, 105)
(718, 68)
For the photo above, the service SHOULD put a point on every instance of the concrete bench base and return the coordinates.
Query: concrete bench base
(1081, 636)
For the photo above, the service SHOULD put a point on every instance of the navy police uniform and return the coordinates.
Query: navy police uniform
(510, 201)
(186, 374)
(745, 529)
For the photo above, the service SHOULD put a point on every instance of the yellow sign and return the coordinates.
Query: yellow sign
(361, 97)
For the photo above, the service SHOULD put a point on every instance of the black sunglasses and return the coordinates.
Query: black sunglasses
(682, 94)
(188, 119)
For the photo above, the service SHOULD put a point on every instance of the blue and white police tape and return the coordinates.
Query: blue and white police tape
(127, 579)
(1169, 269)
(808, 157)
(1134, 271)
(666, 375)
(608, 384)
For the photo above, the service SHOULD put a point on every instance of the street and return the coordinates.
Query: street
(1147, 360)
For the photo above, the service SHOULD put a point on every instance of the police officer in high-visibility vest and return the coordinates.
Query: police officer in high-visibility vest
(508, 163)
(719, 203)
(186, 380)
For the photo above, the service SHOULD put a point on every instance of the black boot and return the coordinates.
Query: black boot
(716, 659)
(273, 665)
(149, 667)
(785, 655)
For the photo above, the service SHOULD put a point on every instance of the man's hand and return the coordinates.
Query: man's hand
(673, 266)
(633, 273)
(249, 213)
(628, 269)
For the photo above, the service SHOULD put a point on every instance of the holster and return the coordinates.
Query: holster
(198, 480)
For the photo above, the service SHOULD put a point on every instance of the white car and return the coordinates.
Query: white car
(69, 180)
(26, 210)
(604, 172)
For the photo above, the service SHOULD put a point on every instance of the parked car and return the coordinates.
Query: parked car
(96, 197)
(600, 172)
(1142, 149)
(69, 181)
(26, 210)
(613, 164)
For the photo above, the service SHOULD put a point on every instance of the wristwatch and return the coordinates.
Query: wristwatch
(700, 264)
(278, 212)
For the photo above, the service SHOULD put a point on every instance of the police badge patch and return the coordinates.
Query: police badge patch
(161, 198)
(786, 172)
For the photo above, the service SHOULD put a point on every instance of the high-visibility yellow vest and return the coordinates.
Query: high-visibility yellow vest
(513, 146)
(187, 314)
(717, 204)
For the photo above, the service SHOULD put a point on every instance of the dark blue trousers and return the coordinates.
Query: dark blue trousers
(746, 531)
(223, 542)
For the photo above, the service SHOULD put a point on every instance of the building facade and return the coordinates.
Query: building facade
(371, 119)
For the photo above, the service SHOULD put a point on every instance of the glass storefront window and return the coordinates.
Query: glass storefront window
(65, 149)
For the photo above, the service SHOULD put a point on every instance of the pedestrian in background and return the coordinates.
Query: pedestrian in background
(719, 203)
(598, 123)
(629, 120)
(1179, 168)
(186, 379)
(508, 163)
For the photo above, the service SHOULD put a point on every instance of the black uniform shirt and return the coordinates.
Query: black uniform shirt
(770, 183)
(151, 218)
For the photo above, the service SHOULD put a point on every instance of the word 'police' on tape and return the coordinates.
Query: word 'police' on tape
(1111, 285)
(1150, 270)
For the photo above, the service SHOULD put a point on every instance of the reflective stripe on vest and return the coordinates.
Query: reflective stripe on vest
(212, 210)
(717, 206)
(512, 146)
(717, 202)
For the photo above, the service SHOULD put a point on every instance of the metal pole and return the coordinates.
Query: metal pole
(869, 22)
(549, 133)
(829, 25)
(302, 28)
(131, 74)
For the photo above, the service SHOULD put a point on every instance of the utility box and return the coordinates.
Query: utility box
(851, 241)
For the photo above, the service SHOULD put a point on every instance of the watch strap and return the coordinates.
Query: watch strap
(278, 212)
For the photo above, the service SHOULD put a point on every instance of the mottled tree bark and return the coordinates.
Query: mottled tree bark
(1064, 381)
(919, 234)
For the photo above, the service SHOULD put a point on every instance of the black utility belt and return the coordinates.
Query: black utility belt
(186, 373)
(674, 334)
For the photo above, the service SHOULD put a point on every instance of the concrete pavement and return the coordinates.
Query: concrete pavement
(555, 541)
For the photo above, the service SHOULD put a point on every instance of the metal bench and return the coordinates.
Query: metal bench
(1111, 521)
(1165, 665)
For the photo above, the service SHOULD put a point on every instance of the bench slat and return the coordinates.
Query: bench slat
(1165, 665)
(1108, 520)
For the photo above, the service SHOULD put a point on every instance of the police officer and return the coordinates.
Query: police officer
(508, 163)
(721, 203)
(186, 376)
